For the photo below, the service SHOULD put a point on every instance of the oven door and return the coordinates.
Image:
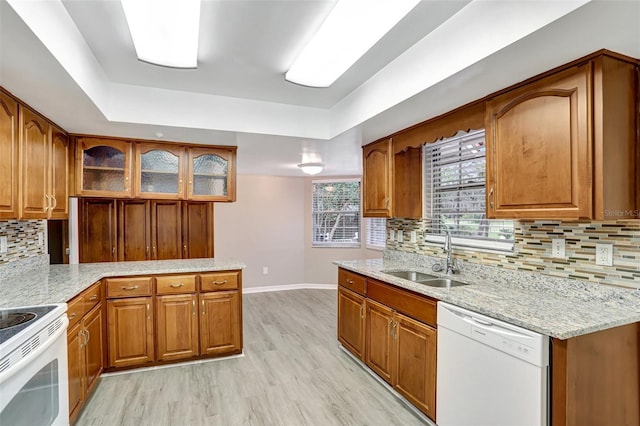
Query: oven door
(35, 390)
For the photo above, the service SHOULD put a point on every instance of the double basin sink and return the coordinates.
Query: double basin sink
(426, 279)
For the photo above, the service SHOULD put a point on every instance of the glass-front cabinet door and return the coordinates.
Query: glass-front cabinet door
(212, 174)
(159, 171)
(105, 167)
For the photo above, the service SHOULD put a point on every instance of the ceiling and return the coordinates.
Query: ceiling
(74, 61)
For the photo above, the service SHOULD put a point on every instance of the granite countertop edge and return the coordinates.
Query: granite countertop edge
(59, 283)
(561, 316)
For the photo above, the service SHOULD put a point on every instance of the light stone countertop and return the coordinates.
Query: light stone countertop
(59, 283)
(552, 306)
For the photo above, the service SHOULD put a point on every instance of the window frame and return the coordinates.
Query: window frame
(350, 245)
(459, 241)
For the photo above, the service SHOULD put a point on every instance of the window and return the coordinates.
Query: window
(376, 232)
(454, 173)
(336, 213)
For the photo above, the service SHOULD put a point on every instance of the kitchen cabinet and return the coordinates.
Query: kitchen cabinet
(130, 331)
(59, 174)
(407, 183)
(197, 229)
(8, 157)
(166, 229)
(377, 173)
(571, 137)
(220, 313)
(35, 200)
(379, 338)
(159, 171)
(85, 345)
(177, 327)
(211, 174)
(97, 224)
(351, 321)
(103, 167)
(414, 363)
(393, 331)
(134, 230)
(137, 229)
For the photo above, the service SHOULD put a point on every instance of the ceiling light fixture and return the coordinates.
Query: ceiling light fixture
(311, 168)
(352, 28)
(164, 32)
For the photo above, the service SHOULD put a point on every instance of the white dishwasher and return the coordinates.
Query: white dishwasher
(490, 373)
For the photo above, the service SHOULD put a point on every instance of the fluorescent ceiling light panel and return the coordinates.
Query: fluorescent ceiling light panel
(350, 30)
(165, 32)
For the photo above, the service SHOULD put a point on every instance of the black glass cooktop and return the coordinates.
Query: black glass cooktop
(14, 320)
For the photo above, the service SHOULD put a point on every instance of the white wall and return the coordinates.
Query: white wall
(270, 225)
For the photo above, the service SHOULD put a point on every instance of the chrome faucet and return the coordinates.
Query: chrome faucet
(450, 266)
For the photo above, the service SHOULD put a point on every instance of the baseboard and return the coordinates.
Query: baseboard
(285, 287)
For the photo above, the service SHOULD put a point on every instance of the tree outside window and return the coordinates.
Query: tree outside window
(336, 213)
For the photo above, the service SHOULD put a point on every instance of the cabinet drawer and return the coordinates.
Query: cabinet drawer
(219, 281)
(91, 297)
(352, 281)
(74, 311)
(416, 306)
(128, 287)
(172, 284)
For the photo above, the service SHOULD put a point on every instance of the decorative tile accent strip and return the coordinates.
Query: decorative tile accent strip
(22, 239)
(532, 249)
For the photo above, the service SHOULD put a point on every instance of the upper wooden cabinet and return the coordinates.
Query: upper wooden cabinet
(159, 171)
(407, 183)
(35, 143)
(565, 146)
(377, 172)
(8, 157)
(103, 167)
(211, 174)
(59, 174)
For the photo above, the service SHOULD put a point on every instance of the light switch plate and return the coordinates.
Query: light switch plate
(3, 244)
(557, 248)
(40, 239)
(400, 236)
(413, 236)
(392, 235)
(604, 254)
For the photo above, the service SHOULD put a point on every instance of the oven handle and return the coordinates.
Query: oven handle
(5, 375)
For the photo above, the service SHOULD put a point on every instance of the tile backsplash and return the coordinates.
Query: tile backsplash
(532, 249)
(22, 239)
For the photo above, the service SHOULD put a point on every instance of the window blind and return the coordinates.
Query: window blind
(336, 213)
(376, 232)
(454, 173)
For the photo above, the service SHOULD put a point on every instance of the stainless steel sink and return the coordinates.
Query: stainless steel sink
(411, 275)
(442, 282)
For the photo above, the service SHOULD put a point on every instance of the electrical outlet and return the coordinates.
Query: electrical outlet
(392, 235)
(265, 270)
(604, 254)
(400, 236)
(413, 236)
(40, 239)
(3, 244)
(557, 248)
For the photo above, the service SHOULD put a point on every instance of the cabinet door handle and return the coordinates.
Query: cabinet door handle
(190, 187)
(193, 307)
(147, 252)
(55, 202)
(153, 249)
(350, 282)
(148, 311)
(219, 282)
(391, 327)
(133, 287)
(361, 311)
(113, 251)
(176, 285)
(386, 203)
(184, 250)
(491, 197)
(73, 315)
(395, 328)
(180, 186)
(83, 336)
(94, 297)
(88, 334)
(126, 184)
(48, 203)
(203, 307)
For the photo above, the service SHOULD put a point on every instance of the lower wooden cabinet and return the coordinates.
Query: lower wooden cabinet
(165, 318)
(85, 347)
(414, 362)
(130, 330)
(177, 326)
(220, 323)
(351, 320)
(393, 331)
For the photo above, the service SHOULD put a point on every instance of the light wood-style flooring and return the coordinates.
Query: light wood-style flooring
(293, 373)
